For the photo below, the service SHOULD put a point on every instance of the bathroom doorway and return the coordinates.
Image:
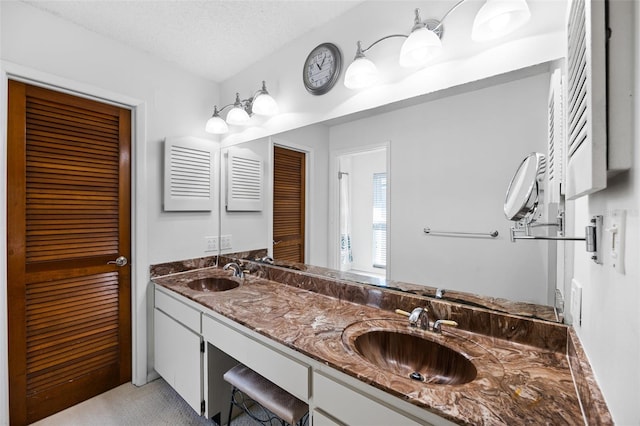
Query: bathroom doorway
(362, 211)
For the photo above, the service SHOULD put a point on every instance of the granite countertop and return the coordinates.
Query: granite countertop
(516, 383)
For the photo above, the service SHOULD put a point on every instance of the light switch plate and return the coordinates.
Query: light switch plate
(576, 303)
(617, 231)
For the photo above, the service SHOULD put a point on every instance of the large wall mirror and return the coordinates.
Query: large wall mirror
(374, 182)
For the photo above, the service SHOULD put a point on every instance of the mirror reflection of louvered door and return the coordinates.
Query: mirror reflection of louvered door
(69, 307)
(288, 204)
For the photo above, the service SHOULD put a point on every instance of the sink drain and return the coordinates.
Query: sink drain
(416, 376)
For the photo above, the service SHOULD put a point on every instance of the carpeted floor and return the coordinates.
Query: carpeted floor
(155, 403)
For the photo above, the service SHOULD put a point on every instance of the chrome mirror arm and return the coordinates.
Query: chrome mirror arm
(592, 238)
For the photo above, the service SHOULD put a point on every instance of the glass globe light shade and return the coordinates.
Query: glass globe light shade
(237, 116)
(421, 46)
(264, 104)
(361, 73)
(497, 18)
(216, 125)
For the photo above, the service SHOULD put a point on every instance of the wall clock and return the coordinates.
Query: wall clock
(322, 68)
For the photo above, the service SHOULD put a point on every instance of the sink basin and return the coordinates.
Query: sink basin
(213, 284)
(415, 357)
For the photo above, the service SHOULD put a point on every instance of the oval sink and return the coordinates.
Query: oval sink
(213, 284)
(415, 357)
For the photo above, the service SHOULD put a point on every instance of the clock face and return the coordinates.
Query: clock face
(322, 68)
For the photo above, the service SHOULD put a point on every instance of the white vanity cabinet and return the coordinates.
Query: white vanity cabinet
(334, 398)
(178, 348)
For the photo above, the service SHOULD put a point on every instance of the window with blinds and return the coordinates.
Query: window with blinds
(380, 220)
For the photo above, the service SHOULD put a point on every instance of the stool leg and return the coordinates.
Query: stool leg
(233, 390)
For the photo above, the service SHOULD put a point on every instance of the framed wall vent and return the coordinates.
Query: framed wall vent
(245, 180)
(555, 137)
(189, 165)
(599, 95)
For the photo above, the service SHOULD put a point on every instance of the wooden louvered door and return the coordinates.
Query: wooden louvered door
(69, 202)
(288, 204)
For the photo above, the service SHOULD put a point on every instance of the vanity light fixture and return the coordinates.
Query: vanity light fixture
(261, 103)
(495, 18)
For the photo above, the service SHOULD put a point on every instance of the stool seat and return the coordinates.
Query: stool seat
(269, 395)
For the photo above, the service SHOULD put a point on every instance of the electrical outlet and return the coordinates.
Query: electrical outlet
(211, 243)
(225, 242)
(576, 303)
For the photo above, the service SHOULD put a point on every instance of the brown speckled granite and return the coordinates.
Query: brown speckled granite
(593, 403)
(169, 268)
(543, 334)
(528, 310)
(516, 384)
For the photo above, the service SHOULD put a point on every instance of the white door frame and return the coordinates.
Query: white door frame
(139, 262)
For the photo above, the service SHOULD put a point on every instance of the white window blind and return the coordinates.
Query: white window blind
(380, 220)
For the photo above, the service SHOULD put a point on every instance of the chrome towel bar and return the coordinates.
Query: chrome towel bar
(492, 234)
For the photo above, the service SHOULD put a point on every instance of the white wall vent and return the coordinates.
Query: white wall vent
(189, 174)
(245, 179)
(599, 103)
(556, 140)
(586, 99)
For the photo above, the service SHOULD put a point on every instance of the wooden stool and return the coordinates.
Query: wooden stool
(288, 409)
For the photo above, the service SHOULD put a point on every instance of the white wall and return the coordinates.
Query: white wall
(610, 330)
(451, 162)
(175, 103)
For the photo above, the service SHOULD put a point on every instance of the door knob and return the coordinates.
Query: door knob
(120, 261)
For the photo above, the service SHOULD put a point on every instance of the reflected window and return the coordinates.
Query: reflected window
(380, 220)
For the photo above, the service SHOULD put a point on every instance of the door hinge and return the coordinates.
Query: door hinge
(202, 346)
(202, 407)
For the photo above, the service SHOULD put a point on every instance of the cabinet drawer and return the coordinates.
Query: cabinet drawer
(186, 315)
(277, 367)
(321, 419)
(351, 407)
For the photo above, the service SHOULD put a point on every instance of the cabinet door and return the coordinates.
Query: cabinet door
(178, 358)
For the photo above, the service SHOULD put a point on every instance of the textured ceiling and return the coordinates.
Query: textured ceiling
(214, 39)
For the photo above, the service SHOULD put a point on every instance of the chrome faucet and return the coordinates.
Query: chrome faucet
(419, 317)
(237, 271)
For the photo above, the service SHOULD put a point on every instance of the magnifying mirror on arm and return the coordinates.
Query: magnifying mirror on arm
(523, 194)
(522, 204)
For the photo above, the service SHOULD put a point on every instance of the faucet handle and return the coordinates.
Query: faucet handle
(401, 312)
(437, 325)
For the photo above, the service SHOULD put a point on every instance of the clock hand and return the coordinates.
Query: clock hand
(319, 66)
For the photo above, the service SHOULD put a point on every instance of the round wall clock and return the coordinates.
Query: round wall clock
(322, 68)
